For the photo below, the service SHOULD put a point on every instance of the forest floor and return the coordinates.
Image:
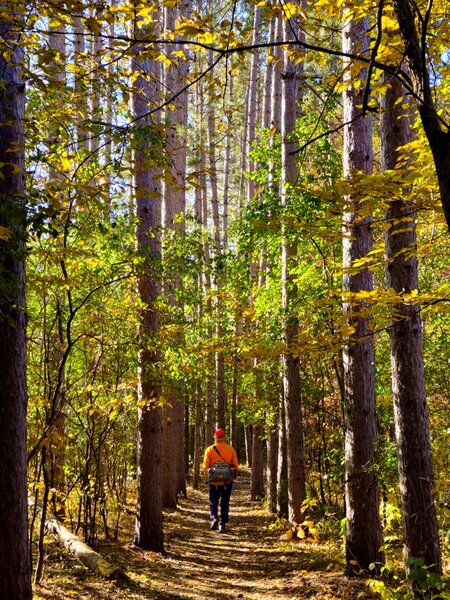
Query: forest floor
(251, 560)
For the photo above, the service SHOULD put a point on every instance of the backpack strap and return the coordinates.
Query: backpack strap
(221, 455)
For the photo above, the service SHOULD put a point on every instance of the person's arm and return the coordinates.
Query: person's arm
(206, 463)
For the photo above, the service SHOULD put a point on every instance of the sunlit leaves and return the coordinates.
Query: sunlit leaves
(5, 233)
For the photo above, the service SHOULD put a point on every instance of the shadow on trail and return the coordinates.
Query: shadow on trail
(248, 561)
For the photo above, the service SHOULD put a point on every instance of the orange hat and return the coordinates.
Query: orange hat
(219, 434)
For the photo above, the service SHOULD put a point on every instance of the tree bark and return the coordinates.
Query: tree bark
(147, 197)
(15, 569)
(80, 87)
(174, 211)
(55, 376)
(257, 482)
(282, 474)
(268, 79)
(82, 552)
(363, 527)
(252, 97)
(289, 291)
(271, 470)
(421, 534)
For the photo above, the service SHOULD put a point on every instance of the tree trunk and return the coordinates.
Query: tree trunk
(421, 534)
(268, 78)
(271, 470)
(217, 261)
(82, 552)
(282, 474)
(248, 433)
(276, 93)
(233, 409)
(80, 87)
(363, 528)
(257, 483)
(252, 97)
(15, 569)
(96, 84)
(227, 167)
(197, 427)
(209, 387)
(289, 292)
(55, 375)
(174, 211)
(416, 54)
(204, 281)
(147, 197)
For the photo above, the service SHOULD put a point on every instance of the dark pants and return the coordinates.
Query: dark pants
(222, 493)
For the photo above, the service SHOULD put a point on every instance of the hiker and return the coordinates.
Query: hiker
(220, 452)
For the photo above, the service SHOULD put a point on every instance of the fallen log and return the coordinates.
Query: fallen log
(81, 551)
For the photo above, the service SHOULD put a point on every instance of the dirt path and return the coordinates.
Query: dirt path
(248, 561)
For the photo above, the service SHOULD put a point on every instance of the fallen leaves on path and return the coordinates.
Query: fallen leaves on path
(249, 561)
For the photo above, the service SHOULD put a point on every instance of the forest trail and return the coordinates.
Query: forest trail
(249, 561)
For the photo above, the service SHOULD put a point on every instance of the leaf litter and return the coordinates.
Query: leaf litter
(249, 561)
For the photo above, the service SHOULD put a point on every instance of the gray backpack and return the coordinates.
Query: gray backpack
(220, 471)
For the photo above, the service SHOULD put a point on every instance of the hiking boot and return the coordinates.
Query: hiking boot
(221, 527)
(214, 524)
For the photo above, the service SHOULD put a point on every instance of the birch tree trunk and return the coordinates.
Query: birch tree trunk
(15, 569)
(363, 528)
(421, 535)
(147, 198)
(289, 291)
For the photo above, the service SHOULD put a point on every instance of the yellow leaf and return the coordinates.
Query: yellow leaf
(164, 59)
(93, 25)
(189, 29)
(179, 54)
(291, 9)
(5, 233)
(66, 162)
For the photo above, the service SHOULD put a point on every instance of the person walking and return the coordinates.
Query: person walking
(220, 491)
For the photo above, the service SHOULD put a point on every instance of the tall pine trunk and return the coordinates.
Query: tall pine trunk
(147, 197)
(217, 261)
(289, 291)
(174, 209)
(363, 528)
(15, 570)
(421, 535)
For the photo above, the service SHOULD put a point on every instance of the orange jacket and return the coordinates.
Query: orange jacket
(228, 455)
